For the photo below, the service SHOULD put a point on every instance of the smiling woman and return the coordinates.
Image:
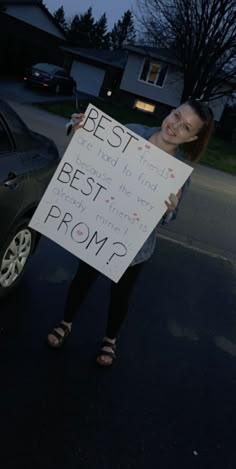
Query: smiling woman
(191, 123)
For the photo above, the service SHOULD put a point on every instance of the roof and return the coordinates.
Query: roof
(36, 3)
(115, 58)
(22, 2)
(167, 55)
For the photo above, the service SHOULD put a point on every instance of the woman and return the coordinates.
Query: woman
(189, 126)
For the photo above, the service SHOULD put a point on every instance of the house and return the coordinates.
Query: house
(28, 34)
(152, 81)
(96, 71)
(143, 77)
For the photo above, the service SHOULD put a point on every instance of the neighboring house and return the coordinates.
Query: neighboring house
(28, 33)
(145, 78)
(152, 81)
(97, 72)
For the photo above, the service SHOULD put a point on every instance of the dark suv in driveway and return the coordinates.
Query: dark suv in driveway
(50, 76)
(27, 163)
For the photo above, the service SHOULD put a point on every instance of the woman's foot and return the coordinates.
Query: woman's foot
(107, 352)
(57, 337)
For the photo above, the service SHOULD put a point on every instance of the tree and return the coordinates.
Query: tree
(202, 35)
(74, 29)
(81, 29)
(59, 16)
(123, 31)
(100, 37)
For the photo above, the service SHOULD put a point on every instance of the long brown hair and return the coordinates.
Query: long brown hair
(194, 150)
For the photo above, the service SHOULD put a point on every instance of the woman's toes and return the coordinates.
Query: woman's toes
(106, 359)
(52, 339)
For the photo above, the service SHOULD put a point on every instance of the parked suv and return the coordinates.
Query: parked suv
(50, 76)
(27, 163)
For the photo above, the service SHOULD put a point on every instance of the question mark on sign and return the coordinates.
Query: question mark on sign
(116, 253)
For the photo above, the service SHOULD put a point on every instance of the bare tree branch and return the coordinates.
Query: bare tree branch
(202, 34)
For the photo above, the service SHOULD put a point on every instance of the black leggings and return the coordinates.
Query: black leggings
(120, 294)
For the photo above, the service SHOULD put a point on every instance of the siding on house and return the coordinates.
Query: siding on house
(35, 16)
(169, 93)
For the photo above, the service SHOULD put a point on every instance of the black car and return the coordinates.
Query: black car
(27, 163)
(50, 76)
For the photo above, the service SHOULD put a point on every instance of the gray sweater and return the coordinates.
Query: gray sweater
(148, 247)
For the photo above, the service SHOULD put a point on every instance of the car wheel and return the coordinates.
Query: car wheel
(14, 256)
(57, 89)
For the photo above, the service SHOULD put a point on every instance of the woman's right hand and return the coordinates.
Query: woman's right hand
(78, 121)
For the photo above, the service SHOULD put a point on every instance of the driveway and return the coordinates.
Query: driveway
(23, 100)
(17, 91)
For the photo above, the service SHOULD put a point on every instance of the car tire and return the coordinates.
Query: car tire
(14, 256)
(58, 89)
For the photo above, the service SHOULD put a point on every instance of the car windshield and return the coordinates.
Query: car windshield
(48, 68)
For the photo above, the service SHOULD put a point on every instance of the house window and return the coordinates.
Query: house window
(143, 106)
(153, 73)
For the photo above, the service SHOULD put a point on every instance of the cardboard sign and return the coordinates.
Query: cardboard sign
(107, 194)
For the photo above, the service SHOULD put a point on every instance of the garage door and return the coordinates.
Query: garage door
(89, 79)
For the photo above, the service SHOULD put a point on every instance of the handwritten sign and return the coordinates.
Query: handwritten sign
(107, 194)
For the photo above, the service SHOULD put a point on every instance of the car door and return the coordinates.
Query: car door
(13, 180)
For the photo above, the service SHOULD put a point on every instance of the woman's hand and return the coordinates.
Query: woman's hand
(172, 204)
(78, 121)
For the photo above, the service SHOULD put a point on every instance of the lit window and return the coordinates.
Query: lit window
(153, 73)
(142, 106)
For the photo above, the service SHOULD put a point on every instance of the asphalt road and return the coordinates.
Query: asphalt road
(169, 400)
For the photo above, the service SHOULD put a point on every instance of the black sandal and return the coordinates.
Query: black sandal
(61, 338)
(102, 352)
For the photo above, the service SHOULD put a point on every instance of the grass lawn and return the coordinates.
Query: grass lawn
(219, 155)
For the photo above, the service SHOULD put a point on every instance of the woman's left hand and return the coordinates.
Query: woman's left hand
(78, 119)
(172, 204)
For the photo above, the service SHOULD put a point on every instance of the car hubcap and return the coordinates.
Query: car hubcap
(15, 258)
